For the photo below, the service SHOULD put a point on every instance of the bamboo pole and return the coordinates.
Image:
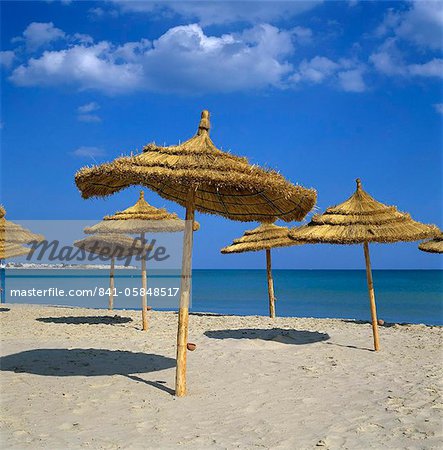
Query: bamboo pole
(270, 285)
(2, 282)
(185, 292)
(144, 288)
(371, 298)
(111, 285)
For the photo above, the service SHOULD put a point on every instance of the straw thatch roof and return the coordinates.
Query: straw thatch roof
(433, 246)
(9, 250)
(225, 184)
(360, 219)
(109, 245)
(264, 237)
(11, 232)
(140, 218)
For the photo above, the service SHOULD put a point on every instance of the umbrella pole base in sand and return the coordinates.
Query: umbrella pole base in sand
(371, 298)
(185, 292)
(271, 295)
(111, 286)
(144, 290)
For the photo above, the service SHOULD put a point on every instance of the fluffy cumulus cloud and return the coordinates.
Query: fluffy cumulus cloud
(209, 12)
(88, 67)
(346, 74)
(38, 34)
(421, 24)
(184, 60)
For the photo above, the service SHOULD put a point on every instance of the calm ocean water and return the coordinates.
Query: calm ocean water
(414, 296)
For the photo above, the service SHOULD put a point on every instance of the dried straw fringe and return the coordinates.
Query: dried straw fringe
(433, 246)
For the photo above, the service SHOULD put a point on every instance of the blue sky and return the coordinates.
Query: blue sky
(323, 91)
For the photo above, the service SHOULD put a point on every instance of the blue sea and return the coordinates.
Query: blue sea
(412, 296)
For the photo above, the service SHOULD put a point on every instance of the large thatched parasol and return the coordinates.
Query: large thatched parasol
(433, 246)
(112, 246)
(139, 219)
(202, 178)
(359, 220)
(265, 237)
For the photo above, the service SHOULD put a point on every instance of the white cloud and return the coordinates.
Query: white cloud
(346, 74)
(390, 61)
(433, 68)
(316, 70)
(88, 108)
(39, 34)
(421, 24)
(88, 67)
(89, 151)
(352, 80)
(7, 58)
(439, 107)
(184, 59)
(85, 113)
(209, 12)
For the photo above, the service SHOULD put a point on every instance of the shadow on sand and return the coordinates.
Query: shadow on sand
(91, 320)
(89, 362)
(284, 336)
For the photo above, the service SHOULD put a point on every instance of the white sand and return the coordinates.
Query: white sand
(268, 384)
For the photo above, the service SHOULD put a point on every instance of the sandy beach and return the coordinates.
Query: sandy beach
(78, 378)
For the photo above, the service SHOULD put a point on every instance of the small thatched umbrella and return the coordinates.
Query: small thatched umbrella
(112, 246)
(139, 219)
(360, 220)
(11, 236)
(433, 245)
(202, 178)
(265, 237)
(14, 233)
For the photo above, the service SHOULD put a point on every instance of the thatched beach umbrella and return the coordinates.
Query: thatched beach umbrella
(433, 246)
(112, 246)
(11, 236)
(360, 220)
(14, 233)
(141, 218)
(265, 237)
(202, 178)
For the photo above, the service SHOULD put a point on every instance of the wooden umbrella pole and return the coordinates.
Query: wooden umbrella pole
(2, 282)
(144, 288)
(185, 292)
(270, 285)
(111, 285)
(371, 298)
